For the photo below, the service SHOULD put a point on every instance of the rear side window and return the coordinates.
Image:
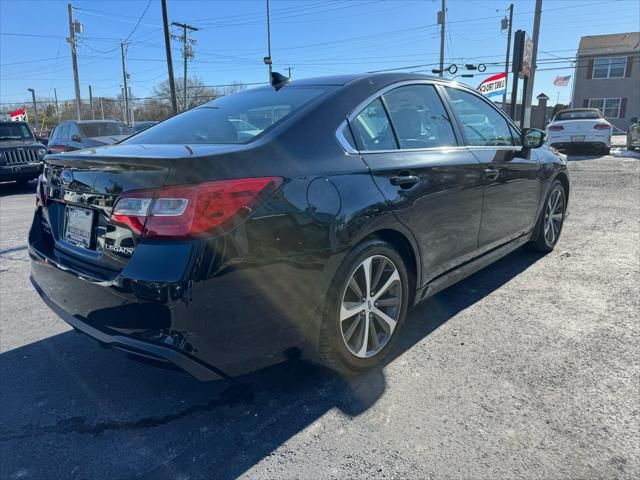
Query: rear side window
(372, 130)
(232, 119)
(419, 117)
(103, 129)
(578, 115)
(481, 123)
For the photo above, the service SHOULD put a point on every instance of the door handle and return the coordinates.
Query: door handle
(404, 181)
(491, 173)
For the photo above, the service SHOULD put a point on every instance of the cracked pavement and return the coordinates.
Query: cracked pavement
(528, 369)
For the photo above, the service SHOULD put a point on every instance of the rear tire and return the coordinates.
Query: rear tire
(605, 150)
(359, 326)
(630, 147)
(551, 219)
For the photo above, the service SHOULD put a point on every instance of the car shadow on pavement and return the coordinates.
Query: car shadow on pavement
(68, 405)
(16, 188)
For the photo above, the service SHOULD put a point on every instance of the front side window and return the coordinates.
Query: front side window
(610, 107)
(609, 67)
(482, 124)
(232, 119)
(372, 130)
(419, 117)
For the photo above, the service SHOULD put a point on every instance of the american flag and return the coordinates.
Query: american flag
(562, 81)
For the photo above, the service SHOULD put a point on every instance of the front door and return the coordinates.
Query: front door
(433, 185)
(512, 175)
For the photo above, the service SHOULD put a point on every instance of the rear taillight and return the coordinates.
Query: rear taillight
(555, 128)
(193, 210)
(602, 126)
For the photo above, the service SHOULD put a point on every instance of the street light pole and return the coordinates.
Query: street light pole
(35, 107)
(269, 63)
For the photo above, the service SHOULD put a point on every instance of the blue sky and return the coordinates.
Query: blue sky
(314, 37)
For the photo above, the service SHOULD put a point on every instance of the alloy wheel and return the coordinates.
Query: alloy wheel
(553, 217)
(371, 306)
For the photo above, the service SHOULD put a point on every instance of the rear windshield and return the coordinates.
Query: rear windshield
(15, 131)
(578, 115)
(106, 129)
(232, 119)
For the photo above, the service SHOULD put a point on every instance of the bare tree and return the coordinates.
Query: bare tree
(197, 92)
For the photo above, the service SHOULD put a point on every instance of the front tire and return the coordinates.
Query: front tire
(551, 219)
(365, 309)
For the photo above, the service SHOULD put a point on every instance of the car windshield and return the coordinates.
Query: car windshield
(232, 119)
(104, 129)
(15, 131)
(578, 115)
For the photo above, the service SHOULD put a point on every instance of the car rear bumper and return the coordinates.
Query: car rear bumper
(190, 365)
(567, 141)
(246, 316)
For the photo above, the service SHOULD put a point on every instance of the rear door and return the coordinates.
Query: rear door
(512, 175)
(433, 184)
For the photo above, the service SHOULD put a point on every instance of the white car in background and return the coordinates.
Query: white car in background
(580, 128)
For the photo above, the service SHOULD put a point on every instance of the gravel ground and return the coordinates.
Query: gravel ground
(528, 369)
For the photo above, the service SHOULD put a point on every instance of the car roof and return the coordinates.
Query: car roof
(87, 122)
(579, 110)
(345, 79)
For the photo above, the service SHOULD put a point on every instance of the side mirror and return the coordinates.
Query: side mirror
(76, 138)
(533, 138)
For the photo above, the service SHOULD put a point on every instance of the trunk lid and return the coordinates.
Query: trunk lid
(581, 126)
(78, 191)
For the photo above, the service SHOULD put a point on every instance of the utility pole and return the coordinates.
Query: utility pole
(124, 77)
(93, 114)
(73, 26)
(289, 72)
(441, 20)
(268, 60)
(35, 107)
(167, 46)
(55, 95)
(122, 107)
(101, 108)
(187, 53)
(506, 65)
(528, 93)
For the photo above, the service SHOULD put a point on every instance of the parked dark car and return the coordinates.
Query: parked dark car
(73, 135)
(140, 126)
(21, 155)
(364, 195)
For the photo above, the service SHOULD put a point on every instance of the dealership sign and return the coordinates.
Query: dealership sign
(495, 85)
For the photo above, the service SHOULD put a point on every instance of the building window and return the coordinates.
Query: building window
(610, 107)
(609, 67)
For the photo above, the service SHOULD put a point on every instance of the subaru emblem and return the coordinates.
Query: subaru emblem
(66, 177)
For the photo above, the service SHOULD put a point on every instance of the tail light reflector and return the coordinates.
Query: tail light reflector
(602, 126)
(192, 210)
(555, 128)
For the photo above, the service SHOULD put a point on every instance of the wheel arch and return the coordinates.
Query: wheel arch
(564, 179)
(407, 249)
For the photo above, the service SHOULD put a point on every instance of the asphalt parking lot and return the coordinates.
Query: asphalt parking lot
(528, 369)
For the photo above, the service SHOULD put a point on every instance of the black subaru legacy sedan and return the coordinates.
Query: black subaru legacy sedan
(348, 200)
